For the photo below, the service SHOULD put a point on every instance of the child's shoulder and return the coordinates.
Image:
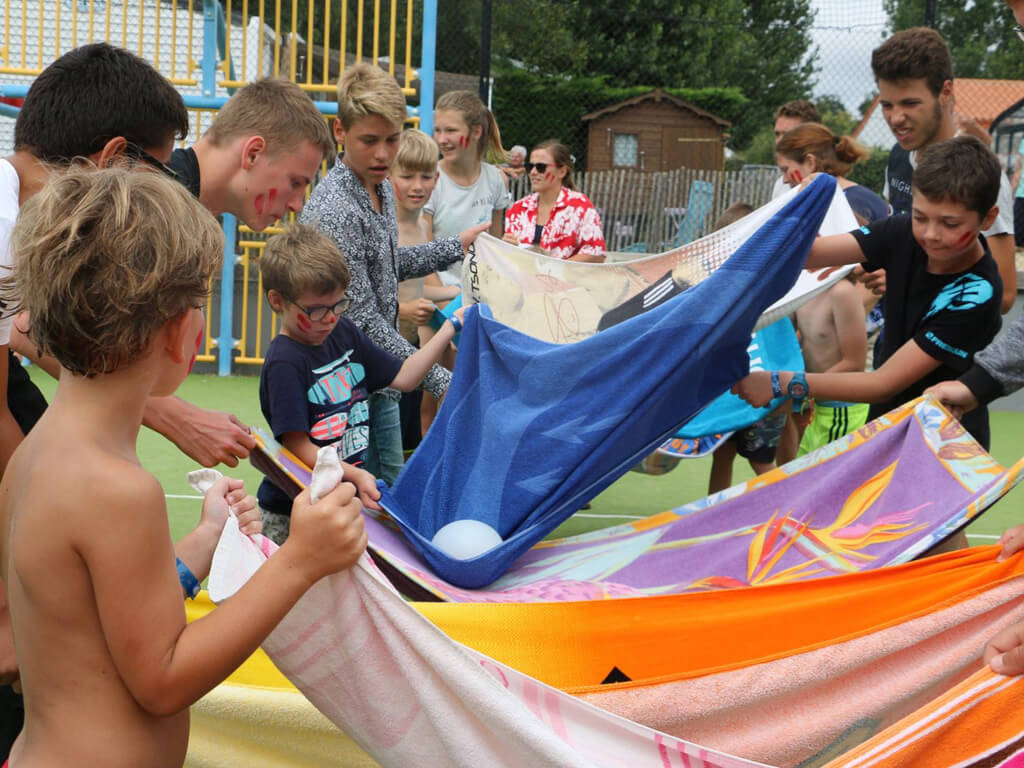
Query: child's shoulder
(98, 486)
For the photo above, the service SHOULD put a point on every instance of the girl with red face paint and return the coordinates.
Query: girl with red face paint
(470, 188)
(555, 218)
(813, 148)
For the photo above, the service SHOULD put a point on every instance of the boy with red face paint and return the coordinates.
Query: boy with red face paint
(320, 370)
(944, 288)
(260, 154)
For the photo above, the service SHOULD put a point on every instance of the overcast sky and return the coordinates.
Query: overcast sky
(846, 31)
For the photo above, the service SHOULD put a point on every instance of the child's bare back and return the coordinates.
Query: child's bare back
(73, 525)
(108, 665)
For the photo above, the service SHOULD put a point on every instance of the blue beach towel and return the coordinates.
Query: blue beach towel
(530, 431)
(773, 348)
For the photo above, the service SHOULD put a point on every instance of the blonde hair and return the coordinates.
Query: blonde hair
(302, 259)
(103, 259)
(365, 90)
(836, 154)
(473, 111)
(417, 152)
(279, 111)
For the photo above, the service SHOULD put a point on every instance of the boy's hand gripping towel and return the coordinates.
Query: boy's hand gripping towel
(409, 695)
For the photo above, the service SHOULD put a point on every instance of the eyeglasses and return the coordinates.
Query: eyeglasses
(134, 150)
(319, 312)
(1020, 32)
(541, 167)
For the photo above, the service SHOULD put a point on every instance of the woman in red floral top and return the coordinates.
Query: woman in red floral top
(557, 218)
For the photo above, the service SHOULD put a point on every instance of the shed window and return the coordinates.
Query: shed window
(625, 150)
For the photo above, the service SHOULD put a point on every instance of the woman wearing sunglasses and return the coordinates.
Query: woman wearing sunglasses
(556, 218)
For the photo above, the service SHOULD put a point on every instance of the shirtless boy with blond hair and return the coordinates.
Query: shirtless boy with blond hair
(108, 664)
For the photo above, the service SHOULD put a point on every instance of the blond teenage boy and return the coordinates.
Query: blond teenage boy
(320, 369)
(261, 152)
(109, 665)
(354, 205)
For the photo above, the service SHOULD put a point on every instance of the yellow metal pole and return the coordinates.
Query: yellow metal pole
(359, 32)
(376, 31)
(327, 42)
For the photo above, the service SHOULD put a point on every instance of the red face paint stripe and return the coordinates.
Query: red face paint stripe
(966, 238)
(258, 204)
(303, 323)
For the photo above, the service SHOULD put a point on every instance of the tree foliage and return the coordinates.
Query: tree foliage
(555, 105)
(760, 47)
(979, 33)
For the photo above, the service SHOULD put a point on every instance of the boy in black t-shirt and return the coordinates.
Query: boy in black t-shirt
(943, 292)
(321, 368)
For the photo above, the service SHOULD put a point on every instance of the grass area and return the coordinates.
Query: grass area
(634, 495)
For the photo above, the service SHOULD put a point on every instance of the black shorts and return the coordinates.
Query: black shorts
(24, 400)
(759, 441)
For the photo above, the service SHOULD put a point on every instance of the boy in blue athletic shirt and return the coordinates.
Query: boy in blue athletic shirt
(943, 294)
(320, 370)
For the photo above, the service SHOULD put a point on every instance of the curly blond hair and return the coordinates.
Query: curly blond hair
(103, 259)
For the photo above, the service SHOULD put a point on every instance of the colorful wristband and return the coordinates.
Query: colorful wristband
(456, 323)
(188, 580)
(776, 384)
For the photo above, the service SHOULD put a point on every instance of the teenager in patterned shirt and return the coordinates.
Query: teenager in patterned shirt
(557, 218)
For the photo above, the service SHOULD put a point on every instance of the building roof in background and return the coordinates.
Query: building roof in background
(981, 98)
(656, 95)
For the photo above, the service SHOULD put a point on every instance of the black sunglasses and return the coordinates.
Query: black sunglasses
(319, 312)
(134, 150)
(541, 167)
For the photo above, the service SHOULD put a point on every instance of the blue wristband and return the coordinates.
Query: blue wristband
(456, 323)
(188, 580)
(776, 384)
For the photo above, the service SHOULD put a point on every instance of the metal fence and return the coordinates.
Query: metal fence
(646, 212)
(208, 50)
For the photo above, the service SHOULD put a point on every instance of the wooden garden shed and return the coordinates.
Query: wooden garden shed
(655, 132)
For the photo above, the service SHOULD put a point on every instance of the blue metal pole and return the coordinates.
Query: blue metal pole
(226, 340)
(210, 54)
(428, 63)
(210, 63)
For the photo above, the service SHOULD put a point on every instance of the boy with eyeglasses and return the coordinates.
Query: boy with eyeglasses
(320, 370)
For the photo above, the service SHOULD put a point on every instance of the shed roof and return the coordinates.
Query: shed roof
(656, 95)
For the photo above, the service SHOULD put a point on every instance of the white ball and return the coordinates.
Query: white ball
(465, 539)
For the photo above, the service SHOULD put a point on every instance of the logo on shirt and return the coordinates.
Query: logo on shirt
(901, 186)
(337, 386)
(966, 292)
